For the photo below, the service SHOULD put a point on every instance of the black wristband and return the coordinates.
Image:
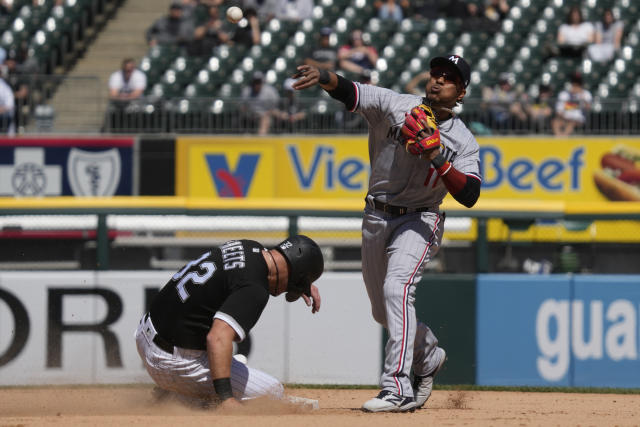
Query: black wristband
(222, 387)
(324, 77)
(438, 161)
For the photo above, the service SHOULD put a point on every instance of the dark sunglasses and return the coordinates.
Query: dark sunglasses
(450, 76)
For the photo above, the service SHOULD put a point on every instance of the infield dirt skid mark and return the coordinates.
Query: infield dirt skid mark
(458, 400)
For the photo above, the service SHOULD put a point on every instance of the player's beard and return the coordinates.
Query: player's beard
(440, 108)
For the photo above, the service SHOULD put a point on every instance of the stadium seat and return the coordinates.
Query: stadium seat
(157, 60)
(404, 48)
(380, 32)
(167, 87)
(41, 48)
(353, 19)
(30, 20)
(629, 12)
(473, 45)
(230, 90)
(187, 68)
(331, 9)
(414, 30)
(186, 115)
(364, 8)
(197, 90)
(7, 19)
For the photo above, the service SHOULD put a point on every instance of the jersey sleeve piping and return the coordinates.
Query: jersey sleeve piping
(357, 96)
(473, 175)
(231, 322)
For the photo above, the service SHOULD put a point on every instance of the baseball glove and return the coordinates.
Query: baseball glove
(420, 130)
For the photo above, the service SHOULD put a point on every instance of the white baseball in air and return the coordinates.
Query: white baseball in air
(234, 14)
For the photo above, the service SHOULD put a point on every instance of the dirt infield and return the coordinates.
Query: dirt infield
(135, 405)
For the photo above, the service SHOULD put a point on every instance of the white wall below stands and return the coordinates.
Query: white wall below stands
(339, 345)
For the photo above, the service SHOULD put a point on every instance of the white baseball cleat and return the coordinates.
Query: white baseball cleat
(387, 401)
(422, 386)
(241, 358)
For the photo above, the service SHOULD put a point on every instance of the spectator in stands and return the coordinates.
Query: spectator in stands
(324, 56)
(571, 107)
(265, 9)
(7, 108)
(248, 29)
(23, 62)
(260, 99)
(171, 29)
(496, 10)
(294, 10)
(189, 8)
(540, 110)
(357, 57)
(389, 10)
(208, 35)
(503, 104)
(289, 111)
(42, 6)
(5, 13)
(471, 13)
(127, 84)
(17, 73)
(458, 8)
(575, 35)
(418, 83)
(608, 38)
(424, 9)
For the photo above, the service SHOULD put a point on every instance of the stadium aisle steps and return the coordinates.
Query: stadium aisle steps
(123, 36)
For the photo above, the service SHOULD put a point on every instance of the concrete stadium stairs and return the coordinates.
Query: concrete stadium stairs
(80, 101)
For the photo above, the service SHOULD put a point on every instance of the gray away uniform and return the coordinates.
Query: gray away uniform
(395, 248)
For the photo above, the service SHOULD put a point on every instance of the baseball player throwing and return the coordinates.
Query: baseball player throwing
(186, 339)
(419, 151)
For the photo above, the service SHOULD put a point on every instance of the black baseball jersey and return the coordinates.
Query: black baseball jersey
(229, 282)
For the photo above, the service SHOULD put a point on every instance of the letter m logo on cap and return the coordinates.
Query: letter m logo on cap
(454, 59)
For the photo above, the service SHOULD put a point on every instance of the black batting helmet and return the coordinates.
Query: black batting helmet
(306, 264)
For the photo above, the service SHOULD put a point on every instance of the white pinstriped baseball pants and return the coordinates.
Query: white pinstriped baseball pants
(186, 372)
(395, 250)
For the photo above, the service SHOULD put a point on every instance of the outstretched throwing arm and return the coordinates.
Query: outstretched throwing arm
(336, 86)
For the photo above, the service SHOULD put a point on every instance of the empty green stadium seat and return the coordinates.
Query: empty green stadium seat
(157, 60)
(230, 90)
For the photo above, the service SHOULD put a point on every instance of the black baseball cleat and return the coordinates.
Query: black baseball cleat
(387, 401)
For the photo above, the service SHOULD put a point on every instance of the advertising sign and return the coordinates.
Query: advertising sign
(38, 167)
(300, 167)
(77, 327)
(553, 169)
(338, 167)
(558, 330)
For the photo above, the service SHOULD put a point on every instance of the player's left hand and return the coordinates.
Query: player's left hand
(230, 406)
(420, 131)
(314, 300)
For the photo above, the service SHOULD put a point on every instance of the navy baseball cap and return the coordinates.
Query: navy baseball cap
(458, 63)
(326, 31)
